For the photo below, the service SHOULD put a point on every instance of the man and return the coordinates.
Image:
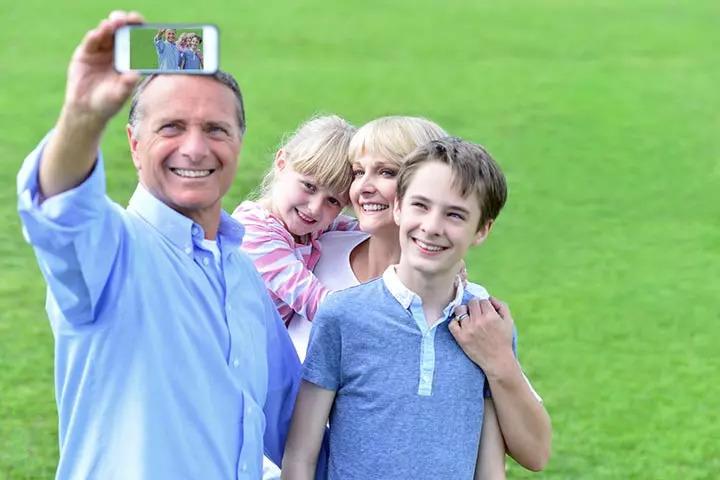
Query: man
(167, 52)
(170, 358)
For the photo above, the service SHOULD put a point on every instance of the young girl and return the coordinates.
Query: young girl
(301, 196)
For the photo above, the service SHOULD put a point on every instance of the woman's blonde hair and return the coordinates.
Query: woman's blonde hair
(318, 148)
(393, 137)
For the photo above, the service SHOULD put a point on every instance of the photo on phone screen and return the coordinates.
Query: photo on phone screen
(167, 48)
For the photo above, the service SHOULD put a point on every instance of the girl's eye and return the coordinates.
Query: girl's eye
(309, 187)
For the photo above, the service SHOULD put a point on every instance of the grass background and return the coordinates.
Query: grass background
(142, 47)
(605, 116)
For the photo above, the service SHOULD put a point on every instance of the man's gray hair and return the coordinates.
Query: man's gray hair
(222, 77)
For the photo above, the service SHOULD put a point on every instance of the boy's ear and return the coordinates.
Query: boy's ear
(280, 161)
(483, 232)
(396, 211)
(132, 141)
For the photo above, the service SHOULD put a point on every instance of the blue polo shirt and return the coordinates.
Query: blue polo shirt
(409, 403)
(167, 365)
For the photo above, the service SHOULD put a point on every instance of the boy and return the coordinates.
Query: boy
(402, 397)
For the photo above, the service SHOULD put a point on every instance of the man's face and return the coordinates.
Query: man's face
(170, 36)
(187, 143)
(437, 224)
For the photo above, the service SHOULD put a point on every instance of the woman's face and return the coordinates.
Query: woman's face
(372, 192)
(194, 41)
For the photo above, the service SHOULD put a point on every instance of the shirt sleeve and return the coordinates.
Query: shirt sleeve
(75, 235)
(287, 277)
(343, 223)
(159, 45)
(322, 364)
(283, 382)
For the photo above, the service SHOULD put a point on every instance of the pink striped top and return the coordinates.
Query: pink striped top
(285, 265)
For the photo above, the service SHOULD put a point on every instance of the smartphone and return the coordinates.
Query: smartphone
(167, 48)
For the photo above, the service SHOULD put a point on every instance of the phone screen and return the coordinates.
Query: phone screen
(167, 48)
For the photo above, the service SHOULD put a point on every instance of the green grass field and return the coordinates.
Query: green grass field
(605, 116)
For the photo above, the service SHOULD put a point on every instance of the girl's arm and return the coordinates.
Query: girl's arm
(491, 452)
(312, 408)
(287, 277)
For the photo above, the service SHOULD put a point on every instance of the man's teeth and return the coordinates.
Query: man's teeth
(427, 246)
(191, 173)
(374, 207)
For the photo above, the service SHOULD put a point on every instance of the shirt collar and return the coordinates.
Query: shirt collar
(179, 229)
(405, 296)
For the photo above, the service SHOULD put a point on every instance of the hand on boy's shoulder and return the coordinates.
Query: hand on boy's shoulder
(484, 330)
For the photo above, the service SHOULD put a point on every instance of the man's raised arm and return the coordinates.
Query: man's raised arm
(95, 92)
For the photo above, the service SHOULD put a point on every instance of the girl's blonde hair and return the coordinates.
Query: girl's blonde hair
(318, 148)
(393, 137)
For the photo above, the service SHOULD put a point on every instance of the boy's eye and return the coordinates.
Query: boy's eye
(418, 205)
(456, 215)
(334, 201)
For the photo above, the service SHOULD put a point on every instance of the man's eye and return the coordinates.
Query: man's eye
(169, 128)
(217, 129)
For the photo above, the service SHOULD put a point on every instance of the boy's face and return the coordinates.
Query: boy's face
(437, 224)
(302, 204)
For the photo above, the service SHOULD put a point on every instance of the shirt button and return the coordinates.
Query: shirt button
(188, 250)
(236, 363)
(229, 308)
(195, 230)
(243, 467)
(206, 261)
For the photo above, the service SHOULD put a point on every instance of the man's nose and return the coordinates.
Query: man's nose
(194, 145)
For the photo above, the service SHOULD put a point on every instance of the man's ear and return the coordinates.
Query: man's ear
(483, 232)
(280, 161)
(132, 141)
(396, 211)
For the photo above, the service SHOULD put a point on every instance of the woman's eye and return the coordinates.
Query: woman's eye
(357, 173)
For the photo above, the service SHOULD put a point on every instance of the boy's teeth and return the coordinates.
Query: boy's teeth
(426, 246)
(374, 207)
(191, 173)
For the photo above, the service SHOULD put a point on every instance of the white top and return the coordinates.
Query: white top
(334, 271)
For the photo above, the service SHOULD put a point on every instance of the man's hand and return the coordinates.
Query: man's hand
(94, 89)
(95, 92)
(484, 331)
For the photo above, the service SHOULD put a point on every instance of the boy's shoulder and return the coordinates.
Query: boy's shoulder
(355, 296)
(474, 290)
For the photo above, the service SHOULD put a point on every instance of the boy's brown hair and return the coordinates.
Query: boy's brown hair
(473, 171)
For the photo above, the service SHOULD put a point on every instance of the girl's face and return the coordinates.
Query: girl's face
(372, 192)
(304, 206)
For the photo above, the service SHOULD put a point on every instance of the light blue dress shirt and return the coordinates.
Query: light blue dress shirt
(165, 365)
(168, 55)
